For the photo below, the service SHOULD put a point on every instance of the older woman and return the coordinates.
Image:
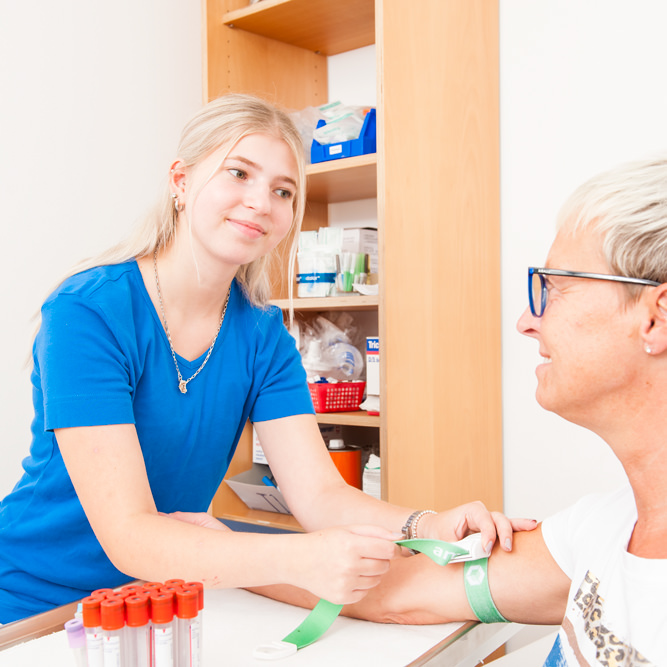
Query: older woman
(598, 312)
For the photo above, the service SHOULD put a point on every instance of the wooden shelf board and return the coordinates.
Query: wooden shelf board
(347, 179)
(357, 418)
(321, 26)
(330, 303)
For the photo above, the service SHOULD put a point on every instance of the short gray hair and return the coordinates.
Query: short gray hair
(628, 205)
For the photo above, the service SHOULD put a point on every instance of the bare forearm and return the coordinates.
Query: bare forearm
(343, 505)
(153, 547)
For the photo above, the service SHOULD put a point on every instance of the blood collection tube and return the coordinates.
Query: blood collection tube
(138, 630)
(113, 622)
(92, 623)
(76, 638)
(188, 630)
(199, 587)
(162, 614)
(174, 582)
(132, 589)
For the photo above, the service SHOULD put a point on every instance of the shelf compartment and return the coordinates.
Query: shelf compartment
(321, 26)
(342, 180)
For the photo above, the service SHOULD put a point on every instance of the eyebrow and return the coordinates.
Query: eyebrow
(250, 163)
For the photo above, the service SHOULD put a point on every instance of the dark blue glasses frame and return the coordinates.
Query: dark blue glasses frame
(537, 284)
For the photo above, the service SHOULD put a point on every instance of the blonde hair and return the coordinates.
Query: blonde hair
(628, 206)
(221, 123)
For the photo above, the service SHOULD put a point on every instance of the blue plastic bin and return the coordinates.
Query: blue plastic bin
(366, 143)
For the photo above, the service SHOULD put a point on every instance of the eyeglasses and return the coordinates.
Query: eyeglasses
(537, 284)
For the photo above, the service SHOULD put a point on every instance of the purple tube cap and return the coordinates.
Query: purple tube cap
(76, 634)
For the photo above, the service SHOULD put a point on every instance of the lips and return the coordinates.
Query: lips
(248, 228)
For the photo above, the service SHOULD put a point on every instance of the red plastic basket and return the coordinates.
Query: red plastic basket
(337, 397)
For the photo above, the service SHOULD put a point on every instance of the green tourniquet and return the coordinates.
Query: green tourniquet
(476, 583)
(439, 552)
(475, 577)
(315, 625)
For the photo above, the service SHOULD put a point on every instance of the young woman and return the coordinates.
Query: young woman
(147, 365)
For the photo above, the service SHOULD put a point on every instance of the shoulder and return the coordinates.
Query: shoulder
(98, 280)
(600, 521)
(102, 298)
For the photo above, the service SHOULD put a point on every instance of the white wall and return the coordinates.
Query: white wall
(92, 98)
(582, 89)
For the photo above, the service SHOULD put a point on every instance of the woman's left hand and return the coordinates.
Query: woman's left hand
(455, 524)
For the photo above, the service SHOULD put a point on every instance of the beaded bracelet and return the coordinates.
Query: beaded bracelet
(409, 530)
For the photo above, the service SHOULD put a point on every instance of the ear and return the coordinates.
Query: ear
(177, 178)
(654, 329)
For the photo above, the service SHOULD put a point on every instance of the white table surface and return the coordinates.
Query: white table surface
(235, 621)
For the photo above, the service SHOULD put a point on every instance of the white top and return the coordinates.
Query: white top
(617, 611)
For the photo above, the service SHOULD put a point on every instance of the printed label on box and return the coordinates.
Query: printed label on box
(373, 365)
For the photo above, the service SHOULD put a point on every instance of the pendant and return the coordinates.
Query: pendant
(183, 386)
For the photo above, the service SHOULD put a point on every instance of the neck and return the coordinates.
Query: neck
(644, 459)
(192, 287)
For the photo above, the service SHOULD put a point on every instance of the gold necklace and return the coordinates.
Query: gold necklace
(183, 384)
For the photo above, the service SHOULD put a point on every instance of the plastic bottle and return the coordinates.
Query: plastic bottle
(162, 615)
(113, 623)
(92, 623)
(138, 630)
(188, 628)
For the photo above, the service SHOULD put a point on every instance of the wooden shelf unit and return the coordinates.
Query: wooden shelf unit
(436, 179)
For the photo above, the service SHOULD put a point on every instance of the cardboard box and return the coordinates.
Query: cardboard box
(373, 365)
(362, 239)
(248, 486)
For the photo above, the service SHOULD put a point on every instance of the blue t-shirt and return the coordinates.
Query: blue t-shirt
(102, 357)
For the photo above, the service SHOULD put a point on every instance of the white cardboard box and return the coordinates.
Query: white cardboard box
(248, 486)
(364, 240)
(373, 365)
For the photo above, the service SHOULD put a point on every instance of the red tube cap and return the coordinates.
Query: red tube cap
(113, 614)
(187, 603)
(137, 610)
(199, 587)
(91, 612)
(162, 607)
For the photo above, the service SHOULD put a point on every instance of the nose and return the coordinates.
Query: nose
(528, 324)
(257, 197)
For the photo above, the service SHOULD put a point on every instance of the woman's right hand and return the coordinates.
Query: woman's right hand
(342, 564)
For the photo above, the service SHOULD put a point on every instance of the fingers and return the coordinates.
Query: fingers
(492, 526)
(352, 561)
(519, 525)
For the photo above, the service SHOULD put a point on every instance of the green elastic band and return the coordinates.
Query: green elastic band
(438, 551)
(319, 620)
(476, 583)
(476, 579)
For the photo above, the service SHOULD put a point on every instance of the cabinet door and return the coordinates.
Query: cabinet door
(438, 195)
